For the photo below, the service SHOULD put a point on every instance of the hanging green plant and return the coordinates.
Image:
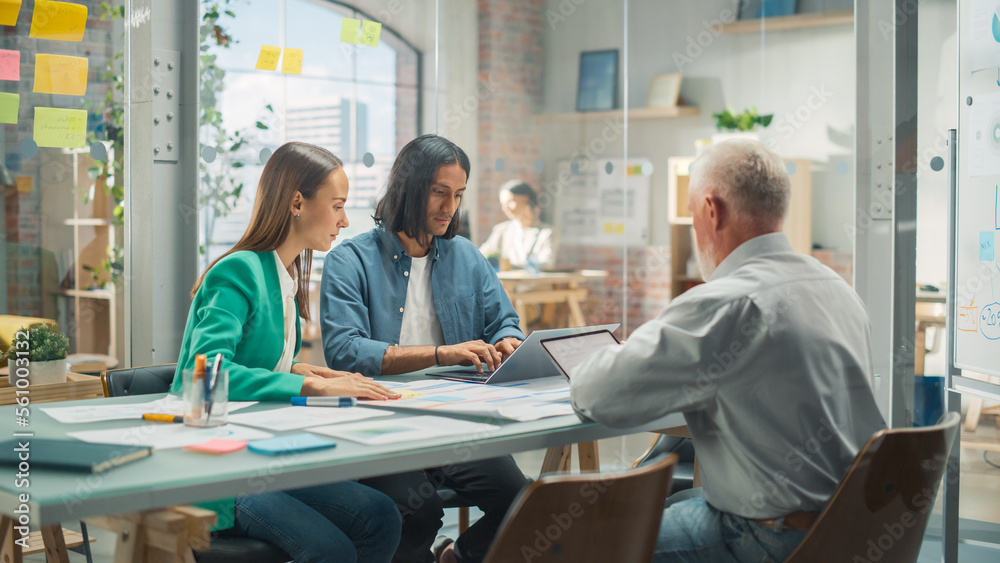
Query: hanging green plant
(746, 121)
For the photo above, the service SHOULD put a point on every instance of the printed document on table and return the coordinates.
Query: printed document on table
(517, 401)
(382, 431)
(171, 404)
(165, 436)
(294, 418)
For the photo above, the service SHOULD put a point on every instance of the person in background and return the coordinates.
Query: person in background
(409, 295)
(523, 240)
(246, 307)
(770, 362)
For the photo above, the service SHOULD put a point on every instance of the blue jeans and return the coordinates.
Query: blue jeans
(693, 530)
(341, 522)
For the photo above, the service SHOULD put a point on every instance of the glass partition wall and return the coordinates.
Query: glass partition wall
(61, 106)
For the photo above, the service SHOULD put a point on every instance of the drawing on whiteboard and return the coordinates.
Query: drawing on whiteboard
(984, 136)
(984, 34)
(985, 319)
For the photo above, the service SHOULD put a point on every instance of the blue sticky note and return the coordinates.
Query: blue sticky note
(986, 241)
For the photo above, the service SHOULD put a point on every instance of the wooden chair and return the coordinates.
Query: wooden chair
(880, 510)
(592, 517)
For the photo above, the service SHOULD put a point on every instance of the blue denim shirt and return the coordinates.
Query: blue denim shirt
(364, 292)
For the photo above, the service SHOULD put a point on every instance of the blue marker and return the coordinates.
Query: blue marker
(324, 401)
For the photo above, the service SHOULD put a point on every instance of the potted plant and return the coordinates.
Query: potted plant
(46, 349)
(739, 125)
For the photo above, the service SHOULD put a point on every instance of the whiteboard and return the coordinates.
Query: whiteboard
(977, 231)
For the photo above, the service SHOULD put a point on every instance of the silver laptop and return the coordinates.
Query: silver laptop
(528, 361)
(567, 352)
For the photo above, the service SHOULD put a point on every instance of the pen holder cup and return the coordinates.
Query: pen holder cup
(206, 400)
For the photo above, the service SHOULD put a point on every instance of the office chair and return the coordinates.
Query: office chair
(590, 517)
(225, 548)
(881, 507)
(684, 469)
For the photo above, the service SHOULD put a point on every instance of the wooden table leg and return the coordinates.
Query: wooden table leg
(10, 552)
(589, 460)
(557, 459)
(55, 544)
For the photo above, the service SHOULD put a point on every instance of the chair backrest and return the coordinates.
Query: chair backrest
(138, 380)
(880, 509)
(595, 517)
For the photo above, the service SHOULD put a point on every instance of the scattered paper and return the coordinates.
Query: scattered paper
(9, 105)
(349, 29)
(532, 400)
(171, 404)
(8, 11)
(376, 432)
(10, 64)
(166, 436)
(294, 418)
(268, 58)
(65, 128)
(58, 74)
(370, 32)
(61, 21)
(292, 61)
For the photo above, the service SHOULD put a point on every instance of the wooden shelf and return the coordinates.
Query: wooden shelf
(633, 114)
(796, 21)
(88, 222)
(104, 294)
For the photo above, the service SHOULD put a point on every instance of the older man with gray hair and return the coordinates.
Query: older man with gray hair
(770, 362)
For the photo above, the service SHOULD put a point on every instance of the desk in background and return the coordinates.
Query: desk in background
(549, 289)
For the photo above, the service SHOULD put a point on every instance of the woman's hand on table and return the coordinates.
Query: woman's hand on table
(343, 384)
(309, 370)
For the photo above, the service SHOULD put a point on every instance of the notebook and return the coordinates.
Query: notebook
(69, 455)
(528, 361)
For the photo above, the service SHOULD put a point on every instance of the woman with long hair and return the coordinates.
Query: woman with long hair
(246, 307)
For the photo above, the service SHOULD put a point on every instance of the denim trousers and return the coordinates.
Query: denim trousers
(693, 530)
(490, 484)
(340, 522)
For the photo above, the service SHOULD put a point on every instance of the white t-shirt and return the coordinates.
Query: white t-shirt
(288, 288)
(421, 326)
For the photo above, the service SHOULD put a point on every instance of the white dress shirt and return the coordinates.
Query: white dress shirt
(516, 243)
(288, 289)
(770, 363)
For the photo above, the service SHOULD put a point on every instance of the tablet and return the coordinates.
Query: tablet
(567, 352)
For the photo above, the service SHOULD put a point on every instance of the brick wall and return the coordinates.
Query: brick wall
(22, 211)
(508, 96)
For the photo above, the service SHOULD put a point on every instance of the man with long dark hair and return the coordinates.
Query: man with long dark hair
(409, 295)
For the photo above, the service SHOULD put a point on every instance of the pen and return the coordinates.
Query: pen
(324, 401)
(162, 417)
(210, 383)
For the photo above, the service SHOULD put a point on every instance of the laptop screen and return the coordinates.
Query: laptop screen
(570, 351)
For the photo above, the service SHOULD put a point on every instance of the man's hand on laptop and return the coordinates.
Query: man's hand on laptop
(507, 346)
(474, 353)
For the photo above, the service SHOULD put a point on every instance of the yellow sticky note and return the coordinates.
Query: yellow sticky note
(59, 74)
(58, 20)
(9, 104)
(8, 11)
(268, 58)
(370, 32)
(614, 228)
(65, 128)
(24, 183)
(292, 63)
(349, 30)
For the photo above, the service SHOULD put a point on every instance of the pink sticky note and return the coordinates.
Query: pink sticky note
(218, 446)
(10, 65)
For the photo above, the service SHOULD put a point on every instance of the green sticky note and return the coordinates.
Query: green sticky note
(349, 30)
(63, 128)
(370, 32)
(9, 104)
